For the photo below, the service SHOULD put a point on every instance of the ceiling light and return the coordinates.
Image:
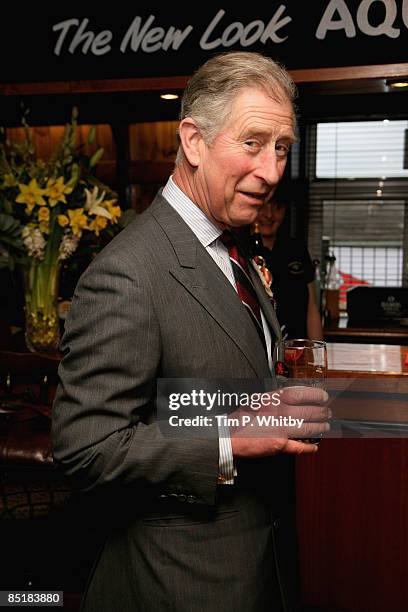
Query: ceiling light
(397, 83)
(169, 96)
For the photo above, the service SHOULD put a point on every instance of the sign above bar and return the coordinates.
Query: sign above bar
(153, 41)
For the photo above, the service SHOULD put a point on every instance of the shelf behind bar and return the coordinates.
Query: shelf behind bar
(375, 71)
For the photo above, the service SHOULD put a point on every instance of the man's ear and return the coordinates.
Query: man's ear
(190, 137)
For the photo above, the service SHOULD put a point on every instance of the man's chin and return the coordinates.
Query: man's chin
(245, 218)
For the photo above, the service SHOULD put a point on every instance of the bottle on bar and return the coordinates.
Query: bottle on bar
(332, 290)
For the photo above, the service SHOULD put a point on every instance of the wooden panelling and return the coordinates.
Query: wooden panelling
(140, 172)
(46, 139)
(153, 141)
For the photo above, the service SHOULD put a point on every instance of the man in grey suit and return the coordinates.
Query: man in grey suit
(207, 522)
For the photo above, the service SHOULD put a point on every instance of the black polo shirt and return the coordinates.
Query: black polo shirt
(292, 270)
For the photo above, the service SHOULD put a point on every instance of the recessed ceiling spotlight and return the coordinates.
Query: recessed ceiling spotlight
(397, 83)
(169, 96)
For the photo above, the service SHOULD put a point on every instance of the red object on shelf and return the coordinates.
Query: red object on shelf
(349, 281)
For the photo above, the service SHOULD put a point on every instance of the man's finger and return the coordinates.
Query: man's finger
(299, 448)
(307, 413)
(303, 394)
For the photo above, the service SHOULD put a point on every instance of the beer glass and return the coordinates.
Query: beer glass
(304, 363)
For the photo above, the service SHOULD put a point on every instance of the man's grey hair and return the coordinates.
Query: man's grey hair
(212, 89)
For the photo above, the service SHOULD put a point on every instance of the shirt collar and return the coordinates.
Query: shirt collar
(197, 221)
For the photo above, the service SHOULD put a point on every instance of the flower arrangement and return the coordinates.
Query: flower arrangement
(47, 208)
(58, 200)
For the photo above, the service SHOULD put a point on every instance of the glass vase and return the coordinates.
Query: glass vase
(41, 306)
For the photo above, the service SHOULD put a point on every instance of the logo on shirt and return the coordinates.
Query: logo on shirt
(296, 267)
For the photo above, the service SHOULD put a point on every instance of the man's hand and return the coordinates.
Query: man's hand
(293, 412)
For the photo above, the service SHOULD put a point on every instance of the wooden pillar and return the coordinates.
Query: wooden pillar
(120, 131)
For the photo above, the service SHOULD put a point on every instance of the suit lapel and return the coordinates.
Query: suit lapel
(203, 279)
(211, 288)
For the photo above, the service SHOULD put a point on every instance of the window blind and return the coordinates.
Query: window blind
(358, 198)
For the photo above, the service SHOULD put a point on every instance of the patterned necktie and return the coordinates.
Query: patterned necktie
(245, 288)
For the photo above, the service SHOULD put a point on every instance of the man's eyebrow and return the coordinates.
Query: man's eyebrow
(261, 132)
(291, 138)
(250, 132)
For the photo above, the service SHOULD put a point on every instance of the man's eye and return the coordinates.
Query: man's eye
(252, 144)
(282, 150)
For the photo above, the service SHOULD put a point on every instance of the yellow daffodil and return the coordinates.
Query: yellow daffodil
(98, 224)
(57, 190)
(114, 211)
(93, 203)
(77, 221)
(63, 220)
(44, 213)
(31, 195)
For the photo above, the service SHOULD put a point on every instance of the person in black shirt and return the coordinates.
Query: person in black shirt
(293, 275)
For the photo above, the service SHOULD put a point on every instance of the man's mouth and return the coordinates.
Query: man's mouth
(256, 196)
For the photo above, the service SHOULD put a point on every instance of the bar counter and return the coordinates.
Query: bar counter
(353, 494)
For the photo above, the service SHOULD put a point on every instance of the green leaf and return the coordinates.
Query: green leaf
(6, 261)
(11, 245)
(96, 157)
(75, 173)
(91, 135)
(10, 228)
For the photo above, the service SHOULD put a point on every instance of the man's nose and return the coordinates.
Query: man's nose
(270, 168)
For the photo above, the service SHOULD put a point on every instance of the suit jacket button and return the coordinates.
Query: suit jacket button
(163, 496)
(191, 499)
(182, 497)
(276, 523)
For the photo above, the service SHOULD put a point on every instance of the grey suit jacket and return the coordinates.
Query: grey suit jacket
(154, 304)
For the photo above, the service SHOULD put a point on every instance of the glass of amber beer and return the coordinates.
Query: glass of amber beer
(304, 363)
